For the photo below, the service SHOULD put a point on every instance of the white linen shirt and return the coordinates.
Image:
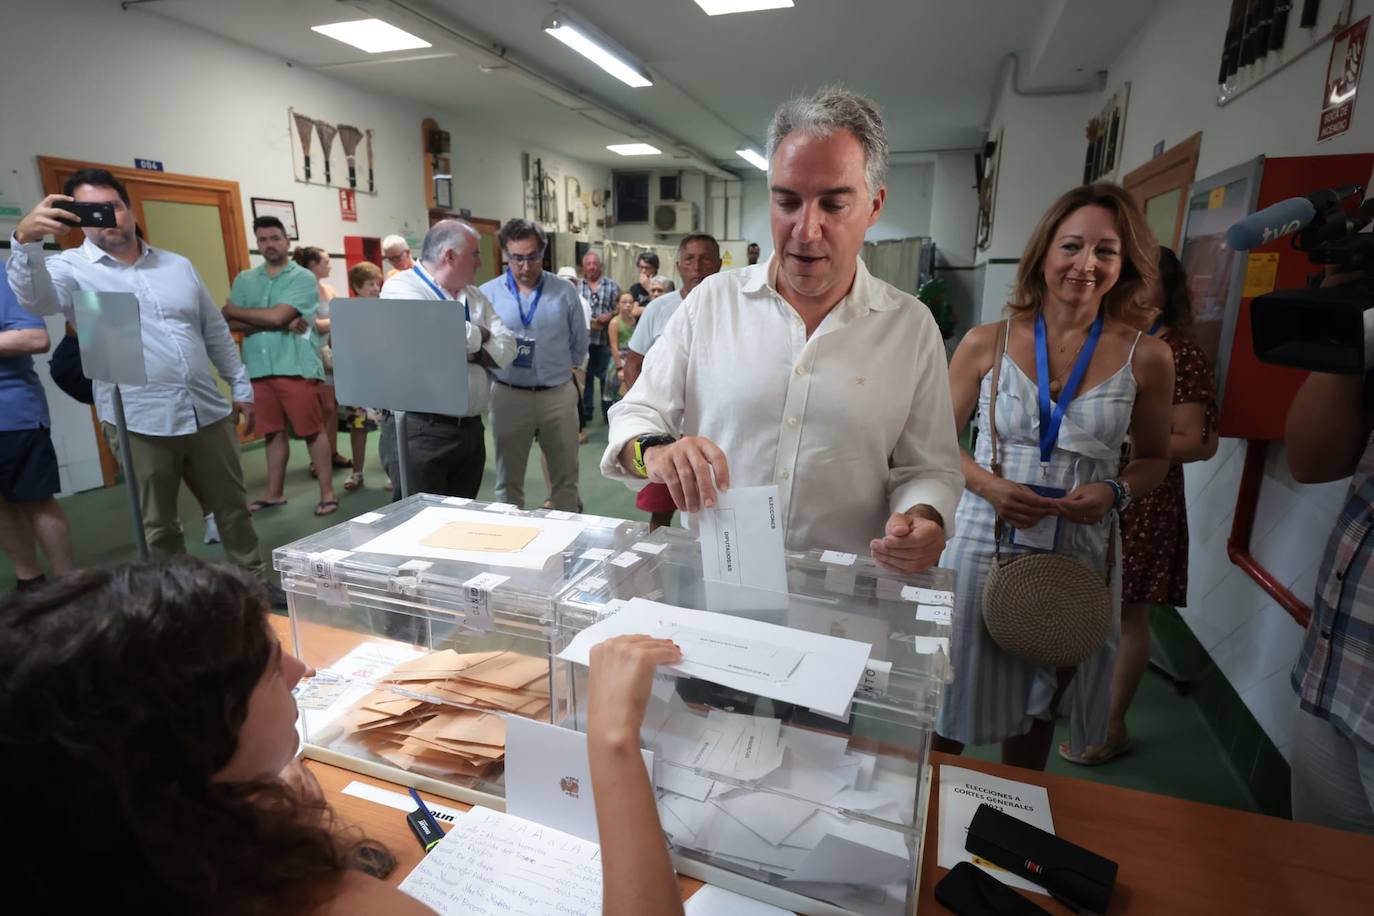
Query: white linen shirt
(852, 424)
(183, 331)
(501, 345)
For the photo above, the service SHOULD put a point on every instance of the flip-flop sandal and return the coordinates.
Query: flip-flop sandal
(258, 505)
(354, 481)
(1105, 753)
(327, 507)
(339, 461)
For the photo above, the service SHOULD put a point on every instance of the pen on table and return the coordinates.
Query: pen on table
(423, 824)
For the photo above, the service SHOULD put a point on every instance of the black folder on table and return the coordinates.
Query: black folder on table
(1068, 871)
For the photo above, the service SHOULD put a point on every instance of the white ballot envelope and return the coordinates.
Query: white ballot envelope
(742, 539)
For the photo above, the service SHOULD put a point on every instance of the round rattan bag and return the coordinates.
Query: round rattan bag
(1047, 609)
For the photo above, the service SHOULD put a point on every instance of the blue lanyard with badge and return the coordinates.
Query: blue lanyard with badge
(524, 344)
(1044, 535)
(424, 278)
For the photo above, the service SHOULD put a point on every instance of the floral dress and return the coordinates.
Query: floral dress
(1154, 530)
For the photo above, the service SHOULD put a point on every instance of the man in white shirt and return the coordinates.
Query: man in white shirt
(178, 422)
(447, 454)
(806, 372)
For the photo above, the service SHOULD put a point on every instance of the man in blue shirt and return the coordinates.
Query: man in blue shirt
(535, 394)
(28, 464)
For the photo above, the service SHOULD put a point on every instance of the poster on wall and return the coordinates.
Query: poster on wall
(1105, 134)
(330, 154)
(1342, 80)
(283, 210)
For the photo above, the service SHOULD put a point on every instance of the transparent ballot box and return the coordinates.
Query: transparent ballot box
(815, 811)
(428, 622)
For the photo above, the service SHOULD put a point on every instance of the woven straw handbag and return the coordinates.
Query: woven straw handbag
(1044, 608)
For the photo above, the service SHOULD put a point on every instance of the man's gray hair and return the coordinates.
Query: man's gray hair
(590, 252)
(660, 280)
(393, 241)
(443, 235)
(830, 109)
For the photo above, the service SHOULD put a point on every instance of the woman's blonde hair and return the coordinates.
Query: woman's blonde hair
(1139, 250)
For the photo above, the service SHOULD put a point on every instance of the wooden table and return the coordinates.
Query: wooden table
(1175, 856)
(1179, 856)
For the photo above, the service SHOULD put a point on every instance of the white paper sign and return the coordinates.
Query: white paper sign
(837, 558)
(478, 604)
(927, 595)
(367, 518)
(491, 864)
(962, 791)
(549, 776)
(935, 613)
(597, 554)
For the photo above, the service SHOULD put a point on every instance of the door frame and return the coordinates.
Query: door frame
(223, 195)
(1176, 167)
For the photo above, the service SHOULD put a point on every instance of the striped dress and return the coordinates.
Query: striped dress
(995, 696)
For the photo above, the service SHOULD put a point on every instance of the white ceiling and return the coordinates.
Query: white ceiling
(930, 64)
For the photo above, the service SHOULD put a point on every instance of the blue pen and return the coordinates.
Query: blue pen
(425, 827)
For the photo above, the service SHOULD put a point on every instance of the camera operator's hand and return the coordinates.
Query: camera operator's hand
(44, 219)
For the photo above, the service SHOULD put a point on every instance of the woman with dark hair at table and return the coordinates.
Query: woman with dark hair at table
(147, 737)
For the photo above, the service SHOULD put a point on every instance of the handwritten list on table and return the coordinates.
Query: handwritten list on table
(493, 863)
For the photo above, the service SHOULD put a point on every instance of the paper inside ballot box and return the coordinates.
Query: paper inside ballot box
(466, 535)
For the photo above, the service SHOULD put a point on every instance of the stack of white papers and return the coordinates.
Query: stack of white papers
(753, 792)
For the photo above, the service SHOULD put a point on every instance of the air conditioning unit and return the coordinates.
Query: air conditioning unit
(678, 217)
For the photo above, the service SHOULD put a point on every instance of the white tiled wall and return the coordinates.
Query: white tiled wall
(1252, 639)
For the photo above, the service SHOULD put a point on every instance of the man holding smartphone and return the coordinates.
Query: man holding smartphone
(178, 422)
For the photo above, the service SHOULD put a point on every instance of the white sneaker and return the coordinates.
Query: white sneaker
(211, 529)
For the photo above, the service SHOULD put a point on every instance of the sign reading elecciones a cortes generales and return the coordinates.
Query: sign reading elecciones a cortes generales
(1342, 80)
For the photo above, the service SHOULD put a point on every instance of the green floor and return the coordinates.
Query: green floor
(1176, 753)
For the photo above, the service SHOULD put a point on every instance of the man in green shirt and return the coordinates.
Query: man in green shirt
(273, 306)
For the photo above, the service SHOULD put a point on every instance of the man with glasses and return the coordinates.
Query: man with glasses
(396, 253)
(535, 394)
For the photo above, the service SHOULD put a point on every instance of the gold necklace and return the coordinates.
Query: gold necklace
(1056, 383)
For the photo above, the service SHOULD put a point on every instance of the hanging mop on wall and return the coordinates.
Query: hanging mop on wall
(371, 187)
(305, 126)
(349, 137)
(327, 132)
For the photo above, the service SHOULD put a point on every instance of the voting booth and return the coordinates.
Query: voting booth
(788, 750)
(428, 622)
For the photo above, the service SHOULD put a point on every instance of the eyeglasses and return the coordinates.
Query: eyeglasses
(393, 258)
(526, 258)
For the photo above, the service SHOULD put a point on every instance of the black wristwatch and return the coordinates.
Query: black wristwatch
(642, 445)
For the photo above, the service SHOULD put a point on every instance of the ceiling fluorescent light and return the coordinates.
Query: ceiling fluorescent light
(634, 149)
(724, 7)
(753, 158)
(594, 49)
(371, 35)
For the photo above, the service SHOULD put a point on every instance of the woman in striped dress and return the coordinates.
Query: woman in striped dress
(1084, 265)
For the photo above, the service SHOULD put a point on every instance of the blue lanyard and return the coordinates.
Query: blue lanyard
(534, 303)
(467, 313)
(1154, 328)
(1052, 420)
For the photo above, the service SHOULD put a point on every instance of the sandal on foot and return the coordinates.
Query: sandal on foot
(1096, 754)
(327, 507)
(339, 461)
(354, 481)
(258, 505)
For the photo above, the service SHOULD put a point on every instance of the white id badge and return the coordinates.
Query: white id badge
(1044, 534)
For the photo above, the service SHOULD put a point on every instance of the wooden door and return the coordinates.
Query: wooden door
(198, 218)
(1160, 187)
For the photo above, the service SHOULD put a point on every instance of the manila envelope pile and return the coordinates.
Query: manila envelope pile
(410, 732)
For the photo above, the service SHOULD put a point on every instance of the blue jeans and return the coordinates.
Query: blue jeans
(598, 359)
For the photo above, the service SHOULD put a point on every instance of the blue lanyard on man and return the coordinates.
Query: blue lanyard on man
(534, 303)
(1052, 414)
(424, 277)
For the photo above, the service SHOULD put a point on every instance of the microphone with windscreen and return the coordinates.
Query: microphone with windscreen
(1271, 223)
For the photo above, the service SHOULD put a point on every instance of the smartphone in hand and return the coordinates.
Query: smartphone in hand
(97, 215)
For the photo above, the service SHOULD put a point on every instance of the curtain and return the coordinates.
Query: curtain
(618, 261)
(897, 261)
